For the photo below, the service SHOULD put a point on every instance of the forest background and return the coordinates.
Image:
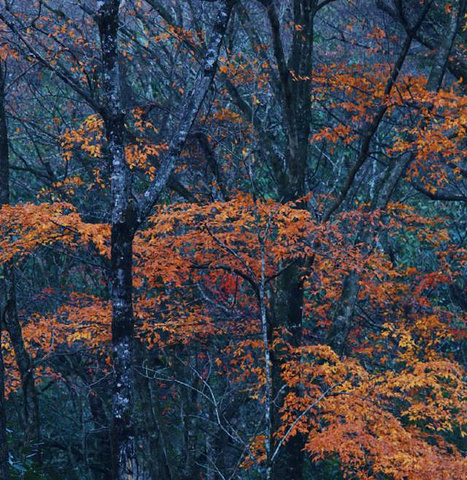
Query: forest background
(233, 239)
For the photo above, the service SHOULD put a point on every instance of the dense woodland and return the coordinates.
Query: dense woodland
(233, 239)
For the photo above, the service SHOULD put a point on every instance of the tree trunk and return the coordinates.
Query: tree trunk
(4, 197)
(288, 297)
(8, 305)
(126, 217)
(3, 438)
(124, 457)
(288, 314)
(123, 224)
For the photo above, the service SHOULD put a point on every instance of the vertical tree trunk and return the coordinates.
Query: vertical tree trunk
(123, 224)
(126, 216)
(3, 438)
(287, 313)
(8, 308)
(4, 197)
(288, 302)
(124, 457)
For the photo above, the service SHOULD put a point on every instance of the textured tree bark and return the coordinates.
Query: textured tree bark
(192, 469)
(123, 223)
(125, 464)
(288, 297)
(287, 313)
(4, 197)
(4, 470)
(126, 217)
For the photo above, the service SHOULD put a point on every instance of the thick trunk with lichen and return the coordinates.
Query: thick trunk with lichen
(3, 438)
(124, 458)
(127, 216)
(123, 224)
(4, 198)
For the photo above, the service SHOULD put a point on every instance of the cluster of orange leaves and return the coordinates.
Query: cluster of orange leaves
(431, 124)
(378, 421)
(384, 410)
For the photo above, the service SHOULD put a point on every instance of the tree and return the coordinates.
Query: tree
(237, 230)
